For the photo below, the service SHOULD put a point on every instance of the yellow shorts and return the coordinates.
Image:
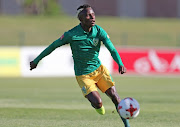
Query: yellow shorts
(100, 78)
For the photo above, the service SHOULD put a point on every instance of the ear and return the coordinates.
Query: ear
(80, 17)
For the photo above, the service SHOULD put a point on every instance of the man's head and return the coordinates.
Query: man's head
(86, 15)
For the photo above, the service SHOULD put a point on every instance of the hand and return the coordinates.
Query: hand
(32, 65)
(122, 69)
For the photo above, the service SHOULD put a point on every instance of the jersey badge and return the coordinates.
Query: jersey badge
(95, 41)
(84, 90)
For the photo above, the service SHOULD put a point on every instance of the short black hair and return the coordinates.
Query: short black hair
(83, 6)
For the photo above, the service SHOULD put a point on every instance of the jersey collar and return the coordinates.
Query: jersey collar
(84, 32)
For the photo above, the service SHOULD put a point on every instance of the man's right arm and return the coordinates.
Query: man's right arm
(59, 42)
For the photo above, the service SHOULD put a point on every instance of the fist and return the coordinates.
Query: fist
(122, 69)
(32, 65)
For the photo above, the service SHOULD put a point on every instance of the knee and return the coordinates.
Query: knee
(111, 92)
(95, 99)
(97, 103)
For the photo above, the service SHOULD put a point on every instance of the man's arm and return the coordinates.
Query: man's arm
(59, 42)
(115, 55)
(47, 51)
(109, 45)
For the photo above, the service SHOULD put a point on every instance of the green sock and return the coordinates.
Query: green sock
(125, 121)
(101, 110)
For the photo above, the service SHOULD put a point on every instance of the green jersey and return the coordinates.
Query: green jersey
(85, 48)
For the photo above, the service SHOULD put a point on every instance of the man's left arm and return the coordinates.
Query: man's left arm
(109, 45)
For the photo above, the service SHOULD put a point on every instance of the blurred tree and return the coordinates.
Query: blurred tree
(30, 7)
(44, 7)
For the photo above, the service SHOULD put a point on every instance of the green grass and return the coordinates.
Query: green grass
(32, 30)
(58, 102)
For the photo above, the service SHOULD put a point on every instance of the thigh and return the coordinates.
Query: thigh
(106, 81)
(86, 84)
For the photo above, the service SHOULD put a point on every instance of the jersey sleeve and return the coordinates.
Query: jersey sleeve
(104, 37)
(64, 39)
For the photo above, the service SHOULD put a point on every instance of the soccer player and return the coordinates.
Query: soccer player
(85, 41)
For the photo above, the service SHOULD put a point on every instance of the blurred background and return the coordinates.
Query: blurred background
(145, 32)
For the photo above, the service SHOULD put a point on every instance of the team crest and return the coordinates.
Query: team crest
(95, 41)
(84, 90)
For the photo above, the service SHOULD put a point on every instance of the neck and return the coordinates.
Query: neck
(86, 28)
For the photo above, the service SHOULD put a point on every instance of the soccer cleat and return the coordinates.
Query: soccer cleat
(101, 110)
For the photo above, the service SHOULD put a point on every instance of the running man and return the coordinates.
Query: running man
(85, 41)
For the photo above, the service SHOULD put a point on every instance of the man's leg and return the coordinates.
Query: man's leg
(96, 102)
(111, 92)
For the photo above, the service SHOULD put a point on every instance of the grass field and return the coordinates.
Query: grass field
(58, 102)
(23, 30)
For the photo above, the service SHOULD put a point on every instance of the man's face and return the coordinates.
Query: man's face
(87, 17)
